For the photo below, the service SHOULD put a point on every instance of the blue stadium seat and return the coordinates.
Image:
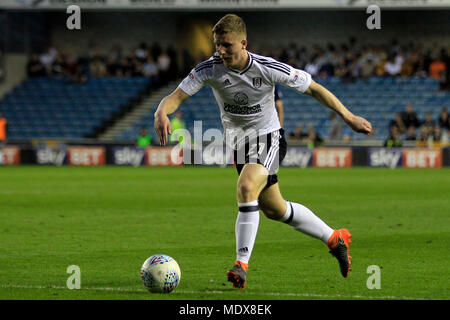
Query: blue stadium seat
(46, 107)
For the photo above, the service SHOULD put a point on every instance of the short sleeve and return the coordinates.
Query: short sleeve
(192, 83)
(288, 76)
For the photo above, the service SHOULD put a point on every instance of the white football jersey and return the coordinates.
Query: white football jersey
(246, 98)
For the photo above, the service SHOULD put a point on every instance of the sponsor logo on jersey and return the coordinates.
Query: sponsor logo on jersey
(227, 82)
(242, 109)
(257, 82)
(241, 98)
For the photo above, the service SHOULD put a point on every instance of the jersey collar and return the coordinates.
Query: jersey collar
(250, 63)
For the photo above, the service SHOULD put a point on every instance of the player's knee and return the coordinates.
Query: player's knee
(246, 191)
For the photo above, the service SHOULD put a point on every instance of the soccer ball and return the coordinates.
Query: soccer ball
(160, 273)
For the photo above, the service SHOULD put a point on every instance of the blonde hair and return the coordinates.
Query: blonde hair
(230, 23)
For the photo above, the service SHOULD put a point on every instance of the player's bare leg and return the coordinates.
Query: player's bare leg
(302, 219)
(272, 203)
(252, 180)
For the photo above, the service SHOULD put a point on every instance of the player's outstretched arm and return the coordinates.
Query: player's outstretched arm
(167, 106)
(328, 99)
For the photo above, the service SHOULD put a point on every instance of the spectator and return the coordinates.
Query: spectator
(411, 134)
(48, 57)
(155, 51)
(142, 52)
(97, 65)
(326, 64)
(35, 67)
(428, 122)
(137, 68)
(417, 62)
(298, 134)
(3, 123)
(335, 127)
(59, 67)
(144, 139)
(367, 68)
(116, 53)
(125, 69)
(393, 141)
(437, 134)
(409, 117)
(444, 119)
(150, 69)
(111, 66)
(355, 69)
(341, 69)
(71, 64)
(380, 68)
(398, 122)
(312, 67)
(393, 66)
(424, 134)
(163, 63)
(80, 76)
(347, 134)
(437, 68)
(314, 139)
(176, 123)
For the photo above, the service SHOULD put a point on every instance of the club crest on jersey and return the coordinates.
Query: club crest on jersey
(241, 98)
(257, 82)
(191, 76)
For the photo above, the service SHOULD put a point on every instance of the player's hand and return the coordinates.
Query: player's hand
(359, 124)
(162, 128)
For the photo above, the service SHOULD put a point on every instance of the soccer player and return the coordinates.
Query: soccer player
(243, 85)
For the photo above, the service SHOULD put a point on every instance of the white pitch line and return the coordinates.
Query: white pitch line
(273, 294)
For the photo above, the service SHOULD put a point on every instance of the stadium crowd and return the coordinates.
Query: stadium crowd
(156, 63)
(406, 126)
(350, 61)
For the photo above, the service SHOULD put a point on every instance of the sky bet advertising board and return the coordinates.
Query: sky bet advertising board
(385, 157)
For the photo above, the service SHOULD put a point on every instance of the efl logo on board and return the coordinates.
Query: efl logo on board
(171, 156)
(422, 158)
(86, 156)
(332, 158)
(9, 156)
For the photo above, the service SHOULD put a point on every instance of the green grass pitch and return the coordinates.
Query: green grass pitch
(108, 220)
